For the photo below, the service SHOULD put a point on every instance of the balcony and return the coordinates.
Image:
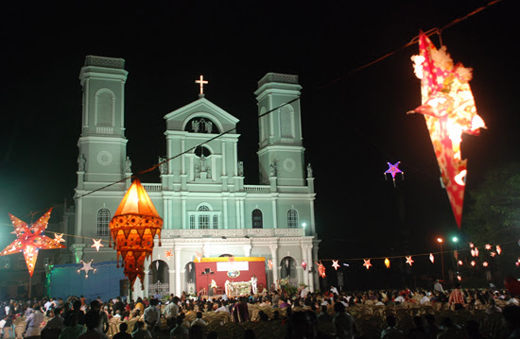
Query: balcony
(234, 233)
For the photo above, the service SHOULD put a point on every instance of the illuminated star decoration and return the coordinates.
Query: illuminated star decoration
(393, 170)
(488, 247)
(168, 253)
(198, 255)
(432, 258)
(304, 265)
(87, 266)
(409, 260)
(58, 237)
(485, 264)
(30, 240)
(449, 110)
(367, 263)
(335, 264)
(321, 270)
(499, 249)
(270, 264)
(97, 244)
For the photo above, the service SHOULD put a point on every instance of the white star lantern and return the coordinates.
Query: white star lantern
(87, 266)
(97, 244)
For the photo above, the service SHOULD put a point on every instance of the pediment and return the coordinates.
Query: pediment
(201, 108)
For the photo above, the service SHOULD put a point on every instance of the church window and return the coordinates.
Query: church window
(204, 218)
(258, 221)
(201, 125)
(292, 219)
(287, 122)
(105, 108)
(103, 219)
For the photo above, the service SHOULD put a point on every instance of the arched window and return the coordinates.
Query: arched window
(258, 221)
(204, 218)
(105, 108)
(103, 219)
(292, 219)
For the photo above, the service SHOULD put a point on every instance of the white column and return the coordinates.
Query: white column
(177, 268)
(146, 281)
(309, 264)
(274, 256)
(171, 276)
(275, 222)
(225, 210)
(224, 173)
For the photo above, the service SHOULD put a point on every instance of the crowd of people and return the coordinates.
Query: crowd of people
(402, 313)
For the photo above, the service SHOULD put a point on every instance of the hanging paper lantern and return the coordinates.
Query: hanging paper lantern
(367, 263)
(456, 254)
(409, 260)
(59, 237)
(393, 170)
(485, 264)
(499, 249)
(449, 110)
(321, 270)
(29, 240)
(432, 258)
(133, 228)
(488, 247)
(473, 263)
(87, 266)
(168, 253)
(97, 244)
(387, 263)
(460, 263)
(198, 256)
(304, 265)
(471, 245)
(335, 264)
(270, 264)
(493, 254)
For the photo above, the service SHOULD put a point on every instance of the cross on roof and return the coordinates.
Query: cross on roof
(201, 82)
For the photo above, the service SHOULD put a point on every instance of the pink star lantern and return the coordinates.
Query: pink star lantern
(335, 264)
(499, 249)
(198, 255)
(409, 260)
(488, 247)
(393, 170)
(97, 244)
(304, 265)
(270, 264)
(367, 263)
(432, 258)
(30, 240)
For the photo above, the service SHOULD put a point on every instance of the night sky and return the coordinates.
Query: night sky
(354, 122)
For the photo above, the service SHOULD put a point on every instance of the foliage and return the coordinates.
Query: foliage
(494, 207)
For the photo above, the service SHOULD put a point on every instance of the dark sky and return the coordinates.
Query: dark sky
(353, 123)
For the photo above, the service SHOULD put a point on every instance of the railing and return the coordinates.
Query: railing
(257, 189)
(153, 187)
(235, 233)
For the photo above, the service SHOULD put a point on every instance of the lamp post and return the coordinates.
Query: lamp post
(440, 241)
(455, 239)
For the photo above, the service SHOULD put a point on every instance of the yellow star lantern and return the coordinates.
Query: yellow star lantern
(133, 228)
(30, 240)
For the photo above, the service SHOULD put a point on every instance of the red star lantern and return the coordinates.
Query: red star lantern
(367, 263)
(133, 228)
(409, 260)
(168, 253)
(321, 270)
(449, 110)
(30, 240)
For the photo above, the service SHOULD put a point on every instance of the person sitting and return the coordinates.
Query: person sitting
(73, 329)
(123, 327)
(92, 321)
(391, 331)
(199, 321)
(179, 331)
(140, 332)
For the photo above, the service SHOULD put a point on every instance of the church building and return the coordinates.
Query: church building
(208, 211)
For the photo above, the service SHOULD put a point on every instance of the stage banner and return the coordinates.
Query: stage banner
(232, 269)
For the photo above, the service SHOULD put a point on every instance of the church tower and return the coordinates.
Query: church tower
(102, 145)
(280, 154)
(102, 159)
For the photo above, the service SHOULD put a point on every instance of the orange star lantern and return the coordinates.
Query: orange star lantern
(133, 228)
(30, 240)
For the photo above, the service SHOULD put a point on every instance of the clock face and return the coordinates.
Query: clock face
(104, 158)
(289, 165)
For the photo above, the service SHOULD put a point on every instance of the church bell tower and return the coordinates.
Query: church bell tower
(280, 154)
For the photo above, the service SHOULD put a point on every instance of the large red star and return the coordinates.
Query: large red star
(30, 240)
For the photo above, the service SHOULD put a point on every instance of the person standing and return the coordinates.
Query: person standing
(34, 319)
(152, 315)
(457, 298)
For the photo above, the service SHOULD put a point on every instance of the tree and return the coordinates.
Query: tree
(494, 207)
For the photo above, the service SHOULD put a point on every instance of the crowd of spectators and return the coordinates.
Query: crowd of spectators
(419, 313)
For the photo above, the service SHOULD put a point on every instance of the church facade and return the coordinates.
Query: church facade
(207, 209)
